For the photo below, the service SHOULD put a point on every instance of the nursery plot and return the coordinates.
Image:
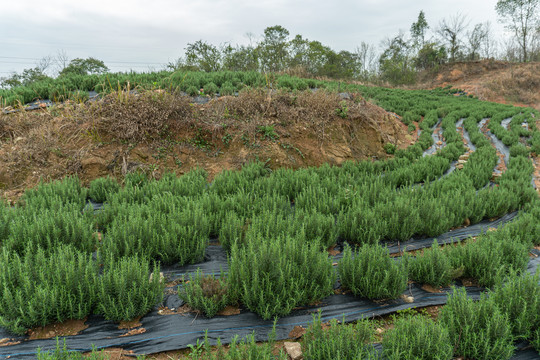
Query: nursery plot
(262, 217)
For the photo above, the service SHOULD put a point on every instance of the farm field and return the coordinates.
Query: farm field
(429, 201)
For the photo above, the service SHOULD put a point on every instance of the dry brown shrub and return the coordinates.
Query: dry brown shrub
(138, 116)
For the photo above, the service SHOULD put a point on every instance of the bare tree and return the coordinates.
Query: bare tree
(475, 39)
(61, 60)
(489, 45)
(451, 30)
(522, 18)
(367, 56)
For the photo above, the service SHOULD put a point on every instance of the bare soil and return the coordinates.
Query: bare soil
(497, 81)
(95, 140)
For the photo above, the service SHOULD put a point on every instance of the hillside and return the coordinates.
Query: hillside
(498, 81)
(157, 132)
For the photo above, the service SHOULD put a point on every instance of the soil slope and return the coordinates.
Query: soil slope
(497, 81)
(157, 132)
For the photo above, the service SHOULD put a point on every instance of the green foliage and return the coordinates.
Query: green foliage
(38, 288)
(431, 267)
(268, 132)
(205, 293)
(343, 110)
(180, 237)
(273, 276)
(210, 89)
(84, 67)
(238, 349)
(192, 91)
(371, 273)
(489, 257)
(68, 191)
(417, 337)
(338, 340)
(389, 148)
(63, 353)
(102, 188)
(478, 330)
(519, 298)
(126, 291)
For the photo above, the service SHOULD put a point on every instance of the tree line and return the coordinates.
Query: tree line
(398, 60)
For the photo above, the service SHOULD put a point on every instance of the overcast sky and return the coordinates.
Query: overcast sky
(143, 34)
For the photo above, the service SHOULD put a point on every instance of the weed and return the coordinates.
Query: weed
(343, 110)
(205, 293)
(268, 132)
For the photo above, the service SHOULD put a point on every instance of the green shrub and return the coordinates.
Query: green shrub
(192, 91)
(519, 298)
(417, 337)
(519, 150)
(478, 330)
(431, 267)
(180, 237)
(371, 273)
(39, 288)
(489, 258)
(273, 276)
(51, 228)
(338, 340)
(210, 89)
(226, 89)
(127, 289)
(535, 341)
(46, 195)
(205, 293)
(103, 188)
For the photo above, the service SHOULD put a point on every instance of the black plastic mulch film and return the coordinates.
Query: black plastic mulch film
(177, 331)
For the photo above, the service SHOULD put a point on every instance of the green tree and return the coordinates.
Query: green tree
(85, 67)
(240, 58)
(522, 17)
(395, 64)
(419, 29)
(203, 56)
(274, 49)
(430, 56)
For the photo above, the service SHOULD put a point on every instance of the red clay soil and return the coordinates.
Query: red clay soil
(497, 81)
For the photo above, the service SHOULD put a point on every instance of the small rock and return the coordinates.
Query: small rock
(407, 299)
(294, 350)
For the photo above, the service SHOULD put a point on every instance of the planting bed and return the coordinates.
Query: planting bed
(178, 250)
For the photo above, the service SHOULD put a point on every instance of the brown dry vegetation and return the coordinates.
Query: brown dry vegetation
(490, 80)
(157, 132)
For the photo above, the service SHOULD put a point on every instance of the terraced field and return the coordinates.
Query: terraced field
(453, 217)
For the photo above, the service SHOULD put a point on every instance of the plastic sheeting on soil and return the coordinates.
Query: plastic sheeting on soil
(437, 137)
(176, 331)
(499, 145)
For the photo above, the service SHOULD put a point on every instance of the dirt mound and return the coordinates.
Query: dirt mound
(158, 132)
(497, 81)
